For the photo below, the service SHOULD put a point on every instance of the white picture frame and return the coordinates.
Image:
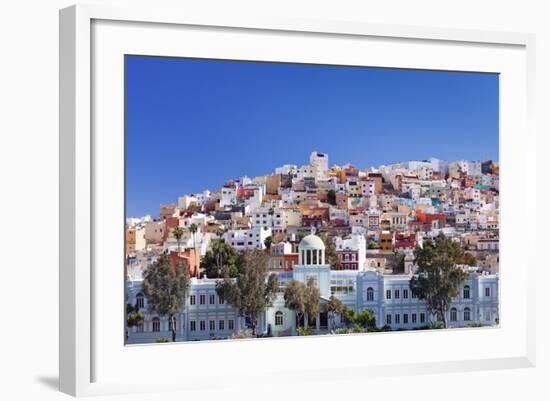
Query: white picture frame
(84, 355)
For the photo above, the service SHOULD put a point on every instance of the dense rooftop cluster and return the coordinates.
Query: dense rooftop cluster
(371, 218)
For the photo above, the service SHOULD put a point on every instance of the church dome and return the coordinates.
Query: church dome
(311, 241)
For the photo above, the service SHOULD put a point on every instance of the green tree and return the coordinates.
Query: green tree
(438, 279)
(254, 289)
(302, 298)
(373, 245)
(221, 260)
(331, 257)
(364, 319)
(312, 298)
(271, 212)
(268, 242)
(133, 317)
(334, 306)
(331, 197)
(295, 298)
(219, 232)
(166, 288)
(397, 262)
(469, 259)
(177, 232)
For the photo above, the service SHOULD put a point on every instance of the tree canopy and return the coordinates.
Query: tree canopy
(438, 279)
(221, 260)
(364, 319)
(302, 298)
(331, 257)
(253, 290)
(331, 197)
(334, 306)
(166, 288)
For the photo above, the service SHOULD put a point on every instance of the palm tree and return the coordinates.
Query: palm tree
(271, 212)
(220, 231)
(193, 228)
(178, 234)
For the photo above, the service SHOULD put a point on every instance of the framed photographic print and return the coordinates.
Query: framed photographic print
(270, 187)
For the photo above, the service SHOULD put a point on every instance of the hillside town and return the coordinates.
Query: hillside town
(350, 233)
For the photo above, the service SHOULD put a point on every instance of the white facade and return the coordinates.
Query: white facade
(319, 162)
(205, 316)
(248, 239)
(228, 196)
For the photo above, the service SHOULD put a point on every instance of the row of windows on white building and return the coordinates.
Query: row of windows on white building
(140, 300)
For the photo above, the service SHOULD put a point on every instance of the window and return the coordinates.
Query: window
(230, 324)
(406, 318)
(156, 324)
(405, 293)
(202, 325)
(467, 314)
(139, 328)
(396, 294)
(422, 317)
(202, 299)
(453, 315)
(487, 315)
(370, 294)
(388, 294)
(397, 319)
(192, 300)
(220, 300)
(212, 325)
(487, 291)
(192, 325)
(388, 319)
(278, 318)
(466, 292)
(139, 300)
(221, 324)
(413, 317)
(212, 299)
(413, 295)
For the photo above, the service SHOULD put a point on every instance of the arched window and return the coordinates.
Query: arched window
(139, 300)
(467, 314)
(466, 292)
(370, 294)
(278, 318)
(453, 315)
(156, 324)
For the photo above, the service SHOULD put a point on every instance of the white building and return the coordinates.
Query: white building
(187, 200)
(352, 251)
(261, 217)
(319, 162)
(248, 239)
(228, 196)
(205, 316)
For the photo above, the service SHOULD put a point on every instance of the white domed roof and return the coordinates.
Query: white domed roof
(311, 241)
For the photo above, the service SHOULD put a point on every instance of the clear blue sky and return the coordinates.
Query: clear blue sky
(193, 124)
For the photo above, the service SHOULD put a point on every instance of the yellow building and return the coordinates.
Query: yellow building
(386, 241)
(135, 240)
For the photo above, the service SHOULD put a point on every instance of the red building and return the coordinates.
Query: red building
(404, 241)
